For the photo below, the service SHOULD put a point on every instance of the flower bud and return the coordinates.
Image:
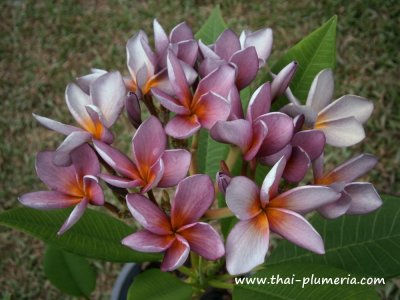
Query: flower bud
(282, 80)
(132, 107)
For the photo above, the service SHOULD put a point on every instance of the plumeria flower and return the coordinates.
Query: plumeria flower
(181, 232)
(281, 81)
(305, 147)
(263, 210)
(95, 112)
(204, 108)
(145, 70)
(247, 54)
(341, 121)
(180, 40)
(260, 132)
(152, 164)
(356, 197)
(75, 185)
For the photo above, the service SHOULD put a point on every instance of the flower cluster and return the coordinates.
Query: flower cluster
(189, 87)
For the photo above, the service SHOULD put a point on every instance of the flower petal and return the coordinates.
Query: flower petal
(238, 132)
(246, 61)
(236, 104)
(76, 101)
(342, 132)
(351, 169)
(93, 190)
(161, 40)
(116, 159)
(220, 81)
(297, 165)
(212, 108)
(260, 102)
(347, 106)
(282, 80)
(193, 196)
(280, 132)
(260, 131)
(262, 40)
(48, 200)
(269, 188)
(99, 129)
(295, 110)
(124, 183)
(74, 140)
(204, 240)
(147, 151)
(337, 208)
(321, 90)
(311, 141)
(304, 199)
(176, 254)
(146, 241)
(140, 55)
(364, 198)
(176, 166)
(295, 229)
(55, 125)
(181, 32)
(187, 51)
(207, 52)
(152, 176)
(61, 179)
(247, 245)
(74, 217)
(85, 81)
(227, 44)
(85, 161)
(133, 111)
(181, 127)
(169, 102)
(242, 198)
(178, 79)
(108, 93)
(148, 214)
(270, 160)
(209, 65)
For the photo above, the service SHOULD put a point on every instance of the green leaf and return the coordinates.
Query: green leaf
(212, 28)
(96, 235)
(365, 244)
(157, 285)
(71, 273)
(315, 52)
(296, 290)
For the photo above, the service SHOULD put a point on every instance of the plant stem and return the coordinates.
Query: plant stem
(152, 197)
(148, 101)
(112, 208)
(220, 284)
(243, 172)
(218, 213)
(232, 157)
(186, 271)
(193, 151)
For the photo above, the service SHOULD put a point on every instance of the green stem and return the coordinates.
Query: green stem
(218, 213)
(193, 151)
(186, 271)
(148, 101)
(244, 168)
(112, 208)
(232, 157)
(220, 284)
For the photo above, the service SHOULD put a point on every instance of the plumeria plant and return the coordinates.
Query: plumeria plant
(226, 159)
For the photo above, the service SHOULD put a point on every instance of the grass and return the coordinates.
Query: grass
(45, 44)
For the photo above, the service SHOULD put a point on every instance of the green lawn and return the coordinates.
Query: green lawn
(45, 44)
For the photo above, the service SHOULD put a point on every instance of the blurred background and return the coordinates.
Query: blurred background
(46, 44)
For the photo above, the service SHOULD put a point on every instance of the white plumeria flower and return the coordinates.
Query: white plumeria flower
(341, 121)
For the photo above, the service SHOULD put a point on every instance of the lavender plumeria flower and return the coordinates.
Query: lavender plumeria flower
(204, 108)
(95, 112)
(263, 210)
(356, 197)
(152, 164)
(247, 54)
(305, 147)
(75, 185)
(261, 132)
(341, 121)
(180, 233)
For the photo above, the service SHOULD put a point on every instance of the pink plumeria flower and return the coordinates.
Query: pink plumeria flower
(180, 233)
(305, 147)
(152, 164)
(263, 210)
(208, 105)
(356, 197)
(180, 40)
(247, 54)
(341, 121)
(146, 71)
(260, 133)
(95, 112)
(75, 185)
